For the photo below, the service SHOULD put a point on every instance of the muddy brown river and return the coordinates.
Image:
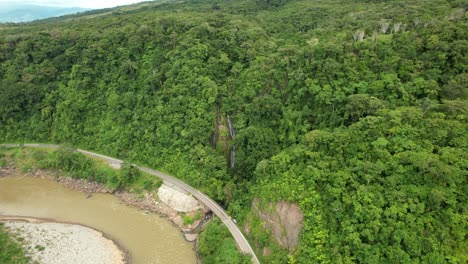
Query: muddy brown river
(148, 237)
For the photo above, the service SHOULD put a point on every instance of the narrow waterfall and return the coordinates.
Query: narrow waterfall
(215, 136)
(232, 133)
(233, 153)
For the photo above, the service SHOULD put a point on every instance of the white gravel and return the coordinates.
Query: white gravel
(57, 243)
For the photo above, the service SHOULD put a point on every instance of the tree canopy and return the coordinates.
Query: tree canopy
(355, 110)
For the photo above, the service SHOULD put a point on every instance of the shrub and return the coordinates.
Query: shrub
(188, 220)
(148, 185)
(129, 173)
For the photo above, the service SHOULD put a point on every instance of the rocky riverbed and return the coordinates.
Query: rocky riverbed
(57, 243)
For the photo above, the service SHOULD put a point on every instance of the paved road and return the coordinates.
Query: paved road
(241, 241)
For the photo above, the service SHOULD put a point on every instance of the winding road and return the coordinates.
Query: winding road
(241, 241)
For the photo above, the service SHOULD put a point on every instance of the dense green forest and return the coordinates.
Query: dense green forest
(354, 110)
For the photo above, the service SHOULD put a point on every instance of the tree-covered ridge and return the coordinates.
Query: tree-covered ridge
(372, 91)
(389, 188)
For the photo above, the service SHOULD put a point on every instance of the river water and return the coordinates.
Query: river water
(148, 237)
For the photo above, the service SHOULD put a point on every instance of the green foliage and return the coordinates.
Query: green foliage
(265, 241)
(76, 165)
(129, 173)
(188, 220)
(72, 162)
(11, 251)
(341, 106)
(391, 188)
(39, 248)
(144, 181)
(217, 246)
(148, 185)
(270, 3)
(39, 155)
(198, 216)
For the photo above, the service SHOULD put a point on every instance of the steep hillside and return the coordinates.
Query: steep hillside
(342, 123)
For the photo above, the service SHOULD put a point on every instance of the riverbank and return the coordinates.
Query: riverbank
(184, 212)
(147, 201)
(55, 243)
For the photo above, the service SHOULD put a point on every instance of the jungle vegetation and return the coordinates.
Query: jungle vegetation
(354, 110)
(66, 161)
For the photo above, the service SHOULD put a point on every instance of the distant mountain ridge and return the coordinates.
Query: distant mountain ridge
(25, 13)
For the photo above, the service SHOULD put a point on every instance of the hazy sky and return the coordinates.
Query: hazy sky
(71, 3)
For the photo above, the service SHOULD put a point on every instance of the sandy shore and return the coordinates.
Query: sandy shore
(57, 243)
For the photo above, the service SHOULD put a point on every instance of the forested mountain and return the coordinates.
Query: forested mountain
(356, 111)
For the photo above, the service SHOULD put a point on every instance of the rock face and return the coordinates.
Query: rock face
(283, 219)
(177, 200)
